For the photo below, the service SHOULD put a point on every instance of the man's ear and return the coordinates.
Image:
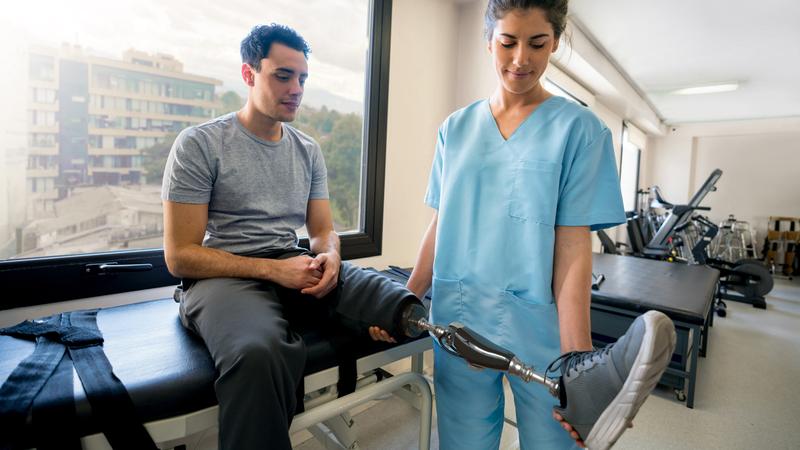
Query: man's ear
(248, 74)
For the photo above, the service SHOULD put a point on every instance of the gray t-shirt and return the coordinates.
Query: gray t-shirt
(257, 191)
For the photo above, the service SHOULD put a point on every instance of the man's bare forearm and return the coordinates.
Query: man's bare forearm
(198, 262)
(325, 243)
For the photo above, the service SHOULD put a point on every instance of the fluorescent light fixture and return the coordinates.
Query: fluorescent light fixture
(707, 89)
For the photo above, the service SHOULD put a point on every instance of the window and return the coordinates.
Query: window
(42, 68)
(43, 95)
(555, 89)
(101, 119)
(629, 171)
(42, 162)
(43, 118)
(42, 139)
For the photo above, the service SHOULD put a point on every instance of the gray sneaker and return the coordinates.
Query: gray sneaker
(601, 391)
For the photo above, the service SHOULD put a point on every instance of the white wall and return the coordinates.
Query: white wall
(473, 71)
(669, 165)
(761, 176)
(421, 96)
(760, 160)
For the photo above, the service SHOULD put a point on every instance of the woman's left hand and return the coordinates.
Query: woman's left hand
(568, 428)
(573, 434)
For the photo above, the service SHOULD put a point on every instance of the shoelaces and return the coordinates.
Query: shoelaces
(571, 360)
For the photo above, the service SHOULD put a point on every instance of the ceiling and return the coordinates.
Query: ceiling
(663, 46)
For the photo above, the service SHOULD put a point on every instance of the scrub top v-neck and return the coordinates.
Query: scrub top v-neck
(499, 201)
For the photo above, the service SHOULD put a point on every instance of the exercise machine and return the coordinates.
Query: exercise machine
(746, 280)
(684, 237)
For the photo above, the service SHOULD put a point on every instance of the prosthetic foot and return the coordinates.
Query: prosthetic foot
(474, 348)
(599, 391)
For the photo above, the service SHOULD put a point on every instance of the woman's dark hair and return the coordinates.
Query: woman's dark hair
(556, 11)
(256, 45)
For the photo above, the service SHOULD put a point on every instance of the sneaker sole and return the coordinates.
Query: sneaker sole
(647, 369)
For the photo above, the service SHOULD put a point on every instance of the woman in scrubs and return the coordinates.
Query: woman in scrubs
(518, 182)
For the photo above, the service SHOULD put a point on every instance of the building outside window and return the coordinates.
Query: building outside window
(101, 102)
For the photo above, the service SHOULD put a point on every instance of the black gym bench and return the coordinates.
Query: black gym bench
(684, 293)
(170, 376)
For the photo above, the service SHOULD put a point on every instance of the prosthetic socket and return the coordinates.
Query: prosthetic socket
(478, 351)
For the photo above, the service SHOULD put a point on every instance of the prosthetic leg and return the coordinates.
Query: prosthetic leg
(478, 351)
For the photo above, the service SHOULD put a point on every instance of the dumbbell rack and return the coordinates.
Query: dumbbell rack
(783, 236)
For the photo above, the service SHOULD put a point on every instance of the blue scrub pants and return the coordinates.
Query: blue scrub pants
(470, 403)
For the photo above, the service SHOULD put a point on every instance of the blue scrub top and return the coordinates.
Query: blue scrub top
(498, 203)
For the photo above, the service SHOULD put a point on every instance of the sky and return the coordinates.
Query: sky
(203, 34)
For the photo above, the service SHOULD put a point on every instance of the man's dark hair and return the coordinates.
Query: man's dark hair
(258, 42)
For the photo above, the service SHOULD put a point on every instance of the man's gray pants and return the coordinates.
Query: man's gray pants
(250, 329)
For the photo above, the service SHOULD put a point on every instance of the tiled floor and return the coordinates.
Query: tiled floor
(747, 394)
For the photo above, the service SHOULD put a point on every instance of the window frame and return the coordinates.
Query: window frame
(565, 92)
(638, 164)
(42, 280)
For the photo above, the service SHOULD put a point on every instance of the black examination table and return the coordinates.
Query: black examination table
(685, 293)
(169, 373)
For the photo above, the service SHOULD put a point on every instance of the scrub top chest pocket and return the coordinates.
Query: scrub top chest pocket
(534, 192)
